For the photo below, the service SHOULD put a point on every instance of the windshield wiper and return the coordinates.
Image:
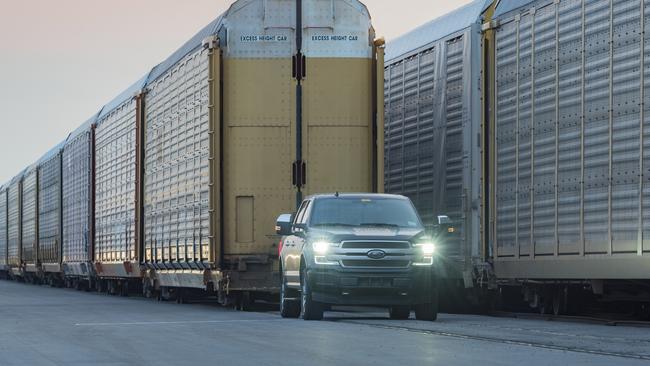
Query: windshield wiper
(379, 224)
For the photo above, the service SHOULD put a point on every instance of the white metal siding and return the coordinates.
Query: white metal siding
(429, 127)
(3, 227)
(115, 181)
(29, 230)
(77, 170)
(176, 165)
(13, 224)
(572, 71)
(49, 208)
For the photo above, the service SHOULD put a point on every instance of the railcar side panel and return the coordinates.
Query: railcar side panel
(49, 198)
(13, 224)
(432, 123)
(570, 140)
(116, 252)
(77, 203)
(29, 225)
(176, 165)
(3, 229)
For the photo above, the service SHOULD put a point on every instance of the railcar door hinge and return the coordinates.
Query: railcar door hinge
(299, 66)
(299, 173)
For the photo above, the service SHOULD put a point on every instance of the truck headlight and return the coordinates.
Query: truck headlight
(428, 250)
(321, 247)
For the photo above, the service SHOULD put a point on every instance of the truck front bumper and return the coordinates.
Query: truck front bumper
(337, 286)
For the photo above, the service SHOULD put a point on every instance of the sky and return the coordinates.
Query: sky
(61, 61)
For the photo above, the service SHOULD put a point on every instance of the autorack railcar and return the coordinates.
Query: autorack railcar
(188, 167)
(14, 232)
(432, 149)
(561, 139)
(571, 148)
(78, 206)
(29, 264)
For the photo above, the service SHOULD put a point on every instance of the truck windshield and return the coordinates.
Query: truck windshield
(393, 212)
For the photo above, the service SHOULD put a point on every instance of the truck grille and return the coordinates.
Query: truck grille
(375, 263)
(375, 245)
(355, 254)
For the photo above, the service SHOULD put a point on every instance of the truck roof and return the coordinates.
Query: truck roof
(356, 195)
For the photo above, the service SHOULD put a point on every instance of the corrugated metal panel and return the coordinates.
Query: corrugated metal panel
(544, 134)
(574, 68)
(596, 126)
(115, 182)
(645, 133)
(436, 29)
(176, 164)
(510, 115)
(625, 127)
(29, 223)
(430, 134)
(569, 125)
(3, 227)
(49, 208)
(13, 223)
(77, 192)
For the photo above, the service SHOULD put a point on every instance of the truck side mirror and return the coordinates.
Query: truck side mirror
(445, 225)
(444, 220)
(283, 224)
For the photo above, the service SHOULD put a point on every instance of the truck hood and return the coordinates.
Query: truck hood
(337, 234)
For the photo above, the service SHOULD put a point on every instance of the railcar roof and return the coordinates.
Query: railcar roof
(506, 6)
(436, 29)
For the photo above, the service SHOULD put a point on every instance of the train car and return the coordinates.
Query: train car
(571, 148)
(3, 232)
(433, 151)
(77, 206)
(240, 124)
(190, 165)
(117, 252)
(49, 215)
(29, 225)
(14, 231)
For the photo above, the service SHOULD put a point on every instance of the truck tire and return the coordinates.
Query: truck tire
(289, 307)
(429, 311)
(399, 312)
(310, 309)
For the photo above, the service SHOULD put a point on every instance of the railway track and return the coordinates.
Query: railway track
(499, 340)
(602, 319)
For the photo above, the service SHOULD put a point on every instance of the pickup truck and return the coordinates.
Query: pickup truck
(356, 249)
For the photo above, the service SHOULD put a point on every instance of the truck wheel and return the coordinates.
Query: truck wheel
(289, 307)
(310, 309)
(399, 312)
(428, 311)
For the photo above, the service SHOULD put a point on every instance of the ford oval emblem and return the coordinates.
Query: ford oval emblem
(376, 254)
